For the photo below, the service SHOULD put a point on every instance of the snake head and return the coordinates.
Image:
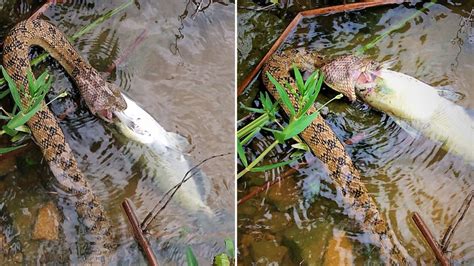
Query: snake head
(345, 73)
(101, 97)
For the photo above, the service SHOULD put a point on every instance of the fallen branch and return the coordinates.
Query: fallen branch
(430, 239)
(170, 193)
(138, 233)
(459, 216)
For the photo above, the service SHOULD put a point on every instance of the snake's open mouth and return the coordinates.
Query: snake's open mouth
(106, 115)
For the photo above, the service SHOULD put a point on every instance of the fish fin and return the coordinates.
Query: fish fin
(179, 142)
(407, 128)
(448, 93)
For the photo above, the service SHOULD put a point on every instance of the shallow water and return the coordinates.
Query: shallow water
(183, 74)
(404, 174)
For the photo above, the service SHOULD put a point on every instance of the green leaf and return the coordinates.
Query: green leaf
(31, 82)
(299, 80)
(221, 260)
(272, 166)
(313, 96)
(21, 118)
(297, 154)
(312, 78)
(279, 136)
(283, 95)
(13, 89)
(275, 2)
(300, 146)
(251, 135)
(9, 149)
(297, 126)
(4, 93)
(190, 258)
(241, 153)
(229, 247)
(253, 110)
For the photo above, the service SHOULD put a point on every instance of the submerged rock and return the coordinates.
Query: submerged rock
(284, 194)
(47, 223)
(7, 165)
(307, 245)
(339, 251)
(265, 252)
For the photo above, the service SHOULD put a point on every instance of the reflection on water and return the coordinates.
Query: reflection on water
(404, 174)
(187, 83)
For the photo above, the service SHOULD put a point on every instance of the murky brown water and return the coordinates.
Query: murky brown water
(183, 74)
(297, 221)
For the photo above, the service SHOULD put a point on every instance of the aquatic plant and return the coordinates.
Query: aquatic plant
(22, 112)
(305, 94)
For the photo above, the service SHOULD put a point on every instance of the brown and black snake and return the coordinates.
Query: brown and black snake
(327, 147)
(101, 97)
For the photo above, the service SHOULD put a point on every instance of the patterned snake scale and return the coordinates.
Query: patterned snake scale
(327, 147)
(101, 98)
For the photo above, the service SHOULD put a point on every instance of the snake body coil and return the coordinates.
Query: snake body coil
(327, 147)
(99, 95)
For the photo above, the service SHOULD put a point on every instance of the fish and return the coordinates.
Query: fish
(416, 104)
(164, 157)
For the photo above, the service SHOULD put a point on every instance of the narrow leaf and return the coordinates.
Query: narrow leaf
(299, 80)
(221, 260)
(9, 149)
(31, 82)
(190, 258)
(297, 126)
(4, 93)
(241, 153)
(13, 88)
(283, 95)
(229, 247)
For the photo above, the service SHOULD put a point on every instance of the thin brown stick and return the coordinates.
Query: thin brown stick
(138, 233)
(459, 216)
(42, 9)
(430, 239)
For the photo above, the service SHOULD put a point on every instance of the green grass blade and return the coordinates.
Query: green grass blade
(101, 19)
(297, 126)
(22, 118)
(283, 95)
(250, 136)
(13, 89)
(190, 258)
(221, 260)
(241, 153)
(9, 149)
(299, 80)
(229, 247)
(31, 83)
(4, 93)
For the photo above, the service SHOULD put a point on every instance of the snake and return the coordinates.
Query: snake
(101, 97)
(324, 143)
